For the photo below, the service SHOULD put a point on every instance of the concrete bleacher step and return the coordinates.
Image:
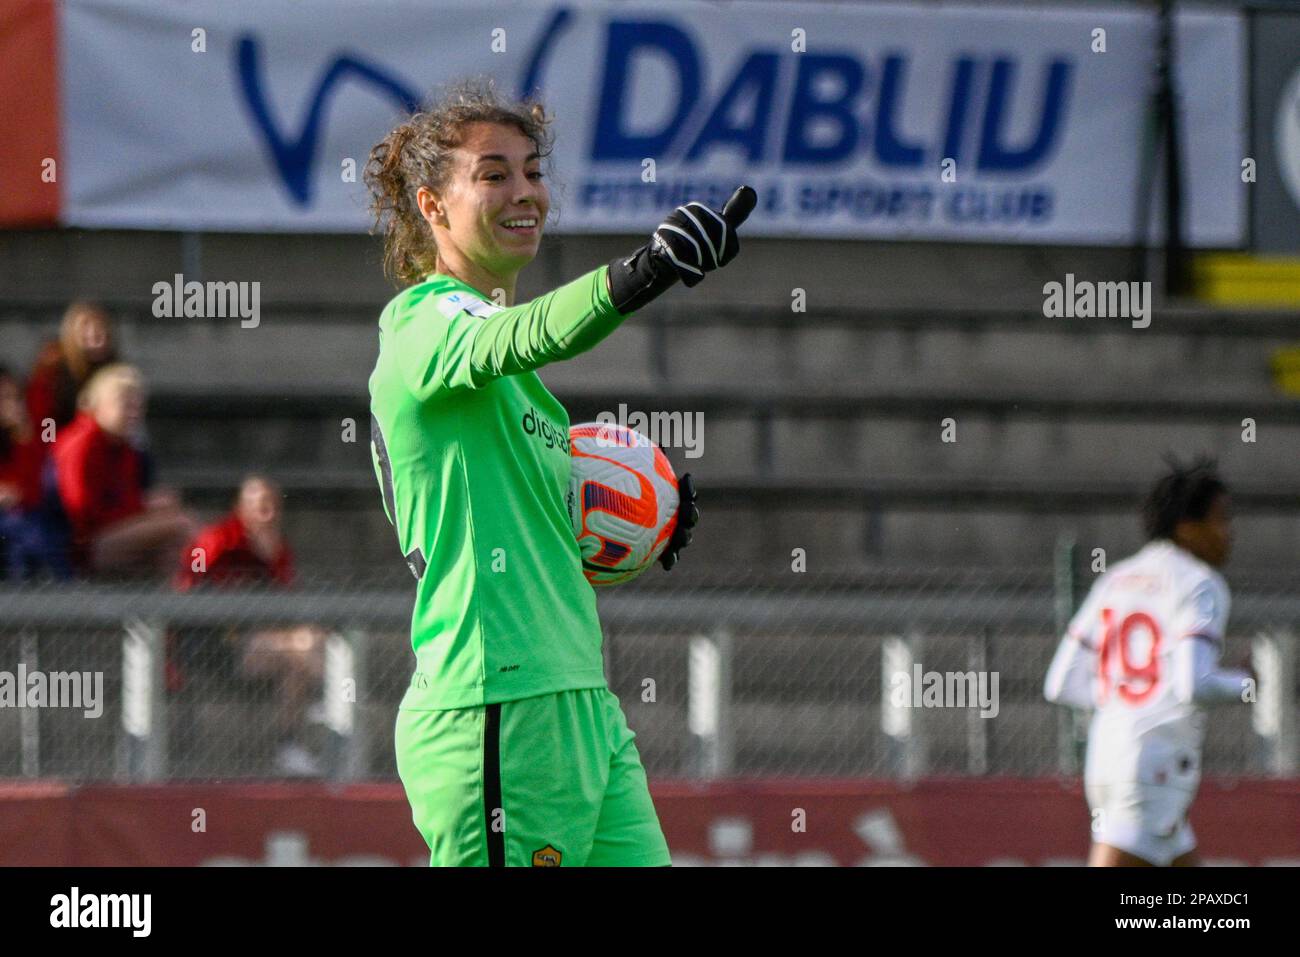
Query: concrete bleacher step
(971, 351)
(45, 266)
(996, 437)
(291, 353)
(758, 528)
(730, 347)
(988, 536)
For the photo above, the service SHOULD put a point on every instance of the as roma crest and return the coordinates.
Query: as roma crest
(547, 857)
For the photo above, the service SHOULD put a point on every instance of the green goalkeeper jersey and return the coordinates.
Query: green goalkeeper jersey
(472, 456)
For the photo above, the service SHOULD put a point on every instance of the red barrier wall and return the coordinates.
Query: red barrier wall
(796, 822)
(29, 113)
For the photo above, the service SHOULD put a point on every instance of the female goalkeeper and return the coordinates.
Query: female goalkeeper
(510, 746)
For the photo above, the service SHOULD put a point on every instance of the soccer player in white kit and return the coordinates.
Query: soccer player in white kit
(1144, 650)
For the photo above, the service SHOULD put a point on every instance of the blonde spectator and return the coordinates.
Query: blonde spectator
(117, 521)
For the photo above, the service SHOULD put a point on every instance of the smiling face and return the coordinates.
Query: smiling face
(497, 180)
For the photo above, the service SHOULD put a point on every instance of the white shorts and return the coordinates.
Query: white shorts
(1146, 820)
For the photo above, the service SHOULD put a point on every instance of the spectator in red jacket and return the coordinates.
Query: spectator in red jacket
(248, 547)
(118, 523)
(63, 367)
(20, 454)
(22, 537)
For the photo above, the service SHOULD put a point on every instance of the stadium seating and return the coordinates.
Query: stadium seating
(821, 429)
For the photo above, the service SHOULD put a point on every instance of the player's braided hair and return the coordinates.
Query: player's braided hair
(1186, 492)
(419, 152)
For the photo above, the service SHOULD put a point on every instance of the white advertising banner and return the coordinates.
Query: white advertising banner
(976, 123)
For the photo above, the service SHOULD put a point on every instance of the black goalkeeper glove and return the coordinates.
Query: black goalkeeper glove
(693, 240)
(688, 515)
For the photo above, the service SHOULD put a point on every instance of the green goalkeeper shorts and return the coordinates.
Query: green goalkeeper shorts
(549, 781)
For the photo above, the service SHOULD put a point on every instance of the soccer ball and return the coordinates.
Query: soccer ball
(622, 501)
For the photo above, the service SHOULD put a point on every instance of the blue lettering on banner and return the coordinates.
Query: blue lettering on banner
(821, 125)
(836, 107)
(860, 200)
(292, 157)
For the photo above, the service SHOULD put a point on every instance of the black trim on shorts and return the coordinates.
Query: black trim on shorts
(496, 840)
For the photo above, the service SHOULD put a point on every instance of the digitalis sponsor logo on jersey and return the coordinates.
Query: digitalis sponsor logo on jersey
(75, 909)
(208, 300)
(548, 432)
(668, 430)
(53, 689)
(919, 688)
(1084, 299)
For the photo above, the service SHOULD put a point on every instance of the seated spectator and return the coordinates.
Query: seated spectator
(117, 522)
(23, 541)
(64, 366)
(248, 547)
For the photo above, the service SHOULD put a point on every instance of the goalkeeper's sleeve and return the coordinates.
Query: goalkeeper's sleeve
(441, 347)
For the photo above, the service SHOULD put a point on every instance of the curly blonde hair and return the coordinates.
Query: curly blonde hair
(419, 152)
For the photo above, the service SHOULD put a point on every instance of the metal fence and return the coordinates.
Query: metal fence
(753, 677)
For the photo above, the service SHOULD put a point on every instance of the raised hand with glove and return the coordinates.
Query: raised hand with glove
(692, 241)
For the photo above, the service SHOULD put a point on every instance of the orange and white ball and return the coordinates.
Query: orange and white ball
(622, 501)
